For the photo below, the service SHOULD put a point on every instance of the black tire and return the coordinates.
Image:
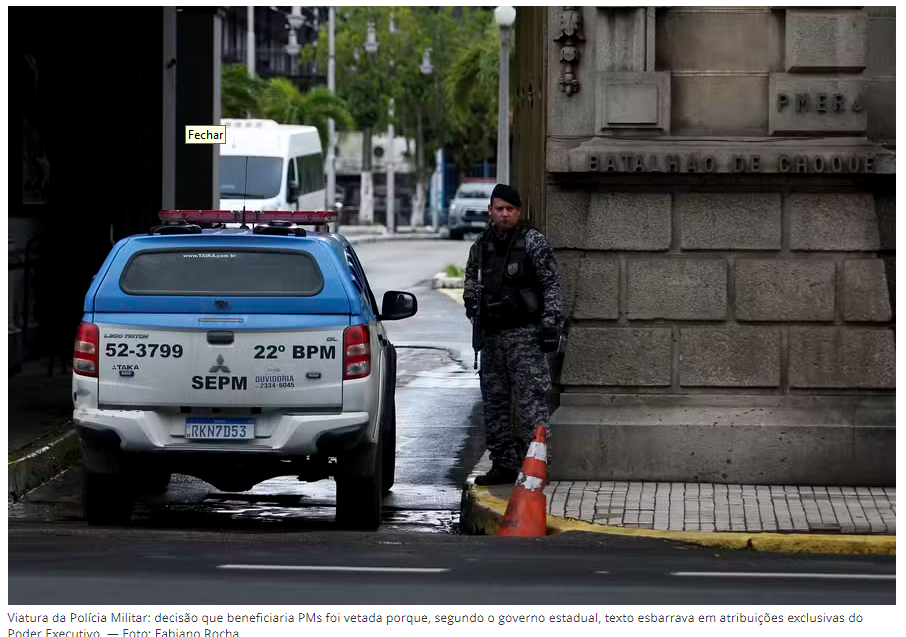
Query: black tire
(106, 498)
(456, 235)
(360, 500)
(388, 449)
(151, 482)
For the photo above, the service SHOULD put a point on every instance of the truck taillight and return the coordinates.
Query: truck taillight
(356, 352)
(87, 344)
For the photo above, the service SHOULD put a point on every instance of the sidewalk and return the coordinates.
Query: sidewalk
(405, 232)
(773, 518)
(373, 237)
(41, 440)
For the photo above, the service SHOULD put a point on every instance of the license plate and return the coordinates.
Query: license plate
(478, 224)
(220, 428)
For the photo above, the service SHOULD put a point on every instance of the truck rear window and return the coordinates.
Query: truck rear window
(222, 273)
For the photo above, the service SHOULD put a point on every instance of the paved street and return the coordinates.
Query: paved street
(68, 563)
(278, 543)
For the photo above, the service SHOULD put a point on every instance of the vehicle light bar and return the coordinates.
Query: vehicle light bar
(249, 216)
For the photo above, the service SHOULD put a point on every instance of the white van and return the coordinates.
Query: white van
(269, 166)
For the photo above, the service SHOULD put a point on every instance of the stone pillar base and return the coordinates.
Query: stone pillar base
(823, 440)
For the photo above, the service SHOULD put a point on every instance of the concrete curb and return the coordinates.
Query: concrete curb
(482, 512)
(45, 459)
(360, 239)
(441, 280)
(357, 231)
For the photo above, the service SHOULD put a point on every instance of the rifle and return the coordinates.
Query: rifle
(476, 318)
(557, 357)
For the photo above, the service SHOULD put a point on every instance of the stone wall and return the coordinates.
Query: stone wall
(720, 191)
(687, 291)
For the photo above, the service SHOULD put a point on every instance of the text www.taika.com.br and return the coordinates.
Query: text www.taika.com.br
(214, 625)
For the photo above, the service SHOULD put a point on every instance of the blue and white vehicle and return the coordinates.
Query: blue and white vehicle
(236, 356)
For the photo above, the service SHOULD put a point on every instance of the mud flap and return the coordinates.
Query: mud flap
(360, 462)
(100, 450)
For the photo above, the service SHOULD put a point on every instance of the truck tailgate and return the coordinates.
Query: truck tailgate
(147, 367)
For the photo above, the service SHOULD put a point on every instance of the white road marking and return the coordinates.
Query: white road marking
(841, 576)
(341, 569)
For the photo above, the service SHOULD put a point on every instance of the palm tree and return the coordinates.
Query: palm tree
(282, 102)
(318, 105)
(472, 90)
(239, 93)
(475, 70)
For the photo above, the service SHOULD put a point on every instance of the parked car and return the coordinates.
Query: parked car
(236, 356)
(469, 207)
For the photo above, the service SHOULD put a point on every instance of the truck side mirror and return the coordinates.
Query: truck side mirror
(398, 305)
(292, 191)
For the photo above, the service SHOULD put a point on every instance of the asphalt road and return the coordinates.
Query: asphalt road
(279, 543)
(439, 322)
(71, 564)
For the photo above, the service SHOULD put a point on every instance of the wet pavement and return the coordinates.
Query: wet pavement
(246, 564)
(279, 542)
(438, 432)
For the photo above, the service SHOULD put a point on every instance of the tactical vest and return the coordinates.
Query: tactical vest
(512, 296)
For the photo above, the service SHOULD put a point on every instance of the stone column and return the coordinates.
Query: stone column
(713, 199)
(168, 106)
(197, 102)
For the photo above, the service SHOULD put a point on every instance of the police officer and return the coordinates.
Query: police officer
(517, 305)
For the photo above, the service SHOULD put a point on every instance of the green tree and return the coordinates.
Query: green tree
(362, 80)
(240, 94)
(319, 105)
(282, 101)
(425, 109)
(472, 88)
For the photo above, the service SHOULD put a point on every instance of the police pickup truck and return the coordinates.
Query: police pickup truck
(236, 356)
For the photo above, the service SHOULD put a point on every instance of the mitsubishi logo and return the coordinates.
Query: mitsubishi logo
(220, 367)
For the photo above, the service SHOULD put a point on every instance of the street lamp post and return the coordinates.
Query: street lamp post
(331, 124)
(426, 69)
(438, 191)
(390, 155)
(250, 42)
(366, 210)
(391, 194)
(505, 17)
(294, 20)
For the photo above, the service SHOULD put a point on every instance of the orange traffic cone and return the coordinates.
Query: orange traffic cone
(526, 513)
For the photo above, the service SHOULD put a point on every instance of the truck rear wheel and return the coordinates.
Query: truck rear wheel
(106, 498)
(151, 481)
(360, 497)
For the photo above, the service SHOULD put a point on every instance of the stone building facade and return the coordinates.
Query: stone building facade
(719, 186)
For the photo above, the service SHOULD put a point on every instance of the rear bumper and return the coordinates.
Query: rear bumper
(463, 219)
(473, 225)
(136, 431)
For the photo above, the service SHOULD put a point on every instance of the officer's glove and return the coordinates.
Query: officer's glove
(550, 339)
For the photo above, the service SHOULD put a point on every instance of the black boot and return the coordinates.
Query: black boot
(497, 475)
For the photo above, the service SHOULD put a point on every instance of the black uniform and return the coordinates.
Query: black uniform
(521, 307)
